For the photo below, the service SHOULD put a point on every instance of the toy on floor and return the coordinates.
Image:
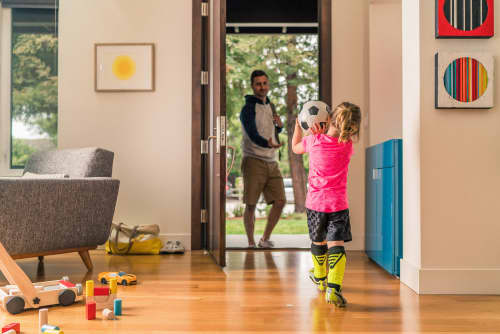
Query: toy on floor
(47, 327)
(15, 326)
(107, 314)
(102, 298)
(121, 277)
(22, 294)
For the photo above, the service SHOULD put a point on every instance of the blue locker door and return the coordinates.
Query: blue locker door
(371, 205)
(386, 216)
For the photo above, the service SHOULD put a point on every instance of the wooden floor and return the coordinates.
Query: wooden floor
(258, 292)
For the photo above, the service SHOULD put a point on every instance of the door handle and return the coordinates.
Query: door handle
(220, 133)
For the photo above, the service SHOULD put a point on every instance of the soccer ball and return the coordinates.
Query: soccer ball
(313, 112)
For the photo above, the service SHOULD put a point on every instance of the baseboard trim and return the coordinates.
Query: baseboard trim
(409, 275)
(480, 281)
(460, 281)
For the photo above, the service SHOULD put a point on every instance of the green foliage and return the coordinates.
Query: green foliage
(34, 82)
(20, 152)
(238, 211)
(295, 224)
(288, 60)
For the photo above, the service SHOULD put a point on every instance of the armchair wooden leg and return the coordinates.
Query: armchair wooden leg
(86, 259)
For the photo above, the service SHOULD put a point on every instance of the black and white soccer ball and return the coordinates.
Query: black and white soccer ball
(313, 112)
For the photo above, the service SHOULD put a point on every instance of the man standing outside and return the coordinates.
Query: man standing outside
(260, 169)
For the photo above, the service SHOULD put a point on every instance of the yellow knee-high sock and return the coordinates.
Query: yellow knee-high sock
(336, 266)
(319, 260)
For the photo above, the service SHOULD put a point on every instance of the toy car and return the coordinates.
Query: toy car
(61, 292)
(122, 278)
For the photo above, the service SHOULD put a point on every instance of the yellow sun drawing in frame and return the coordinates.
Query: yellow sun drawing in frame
(123, 67)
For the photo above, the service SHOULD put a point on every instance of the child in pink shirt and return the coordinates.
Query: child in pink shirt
(330, 150)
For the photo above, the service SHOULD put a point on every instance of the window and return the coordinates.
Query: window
(33, 83)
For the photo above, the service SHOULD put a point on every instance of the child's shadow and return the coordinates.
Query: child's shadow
(353, 307)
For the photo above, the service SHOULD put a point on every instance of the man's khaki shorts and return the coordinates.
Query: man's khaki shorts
(260, 176)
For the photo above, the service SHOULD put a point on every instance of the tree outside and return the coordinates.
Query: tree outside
(34, 93)
(291, 62)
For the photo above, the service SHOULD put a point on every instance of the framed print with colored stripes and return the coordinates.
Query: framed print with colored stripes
(464, 80)
(464, 18)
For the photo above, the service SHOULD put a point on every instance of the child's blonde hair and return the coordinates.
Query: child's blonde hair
(346, 118)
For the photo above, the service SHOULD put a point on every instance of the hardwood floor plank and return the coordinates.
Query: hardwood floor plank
(258, 292)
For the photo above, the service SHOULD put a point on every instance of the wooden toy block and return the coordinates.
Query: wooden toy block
(107, 314)
(113, 286)
(101, 291)
(45, 328)
(90, 310)
(15, 326)
(43, 317)
(89, 288)
(118, 307)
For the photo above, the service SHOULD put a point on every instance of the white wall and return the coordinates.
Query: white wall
(459, 177)
(350, 83)
(385, 71)
(150, 132)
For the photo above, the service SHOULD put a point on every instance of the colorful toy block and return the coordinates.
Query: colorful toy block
(118, 306)
(107, 314)
(90, 310)
(53, 331)
(101, 291)
(43, 317)
(46, 328)
(113, 286)
(15, 326)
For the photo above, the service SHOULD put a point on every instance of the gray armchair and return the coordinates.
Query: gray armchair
(40, 216)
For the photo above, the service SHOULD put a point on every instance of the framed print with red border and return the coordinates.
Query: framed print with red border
(464, 18)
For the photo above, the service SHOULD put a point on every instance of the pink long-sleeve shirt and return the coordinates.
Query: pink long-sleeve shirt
(328, 169)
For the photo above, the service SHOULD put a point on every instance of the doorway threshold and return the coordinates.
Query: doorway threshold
(287, 241)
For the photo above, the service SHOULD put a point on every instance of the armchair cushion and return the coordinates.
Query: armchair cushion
(80, 162)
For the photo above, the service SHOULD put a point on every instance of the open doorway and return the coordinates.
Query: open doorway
(208, 187)
(282, 40)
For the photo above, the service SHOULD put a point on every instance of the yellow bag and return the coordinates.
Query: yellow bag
(138, 239)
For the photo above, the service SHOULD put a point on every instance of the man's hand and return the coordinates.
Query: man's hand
(271, 144)
(277, 120)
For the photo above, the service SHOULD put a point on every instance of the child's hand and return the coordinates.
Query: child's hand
(318, 128)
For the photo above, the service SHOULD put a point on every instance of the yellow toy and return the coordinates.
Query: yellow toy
(122, 278)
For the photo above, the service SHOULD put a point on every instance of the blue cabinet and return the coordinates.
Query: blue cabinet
(384, 211)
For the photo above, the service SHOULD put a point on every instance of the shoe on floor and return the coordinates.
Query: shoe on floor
(251, 246)
(335, 297)
(320, 283)
(266, 243)
(172, 247)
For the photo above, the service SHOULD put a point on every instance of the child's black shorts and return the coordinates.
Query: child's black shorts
(330, 226)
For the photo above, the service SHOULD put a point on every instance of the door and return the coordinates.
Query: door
(215, 128)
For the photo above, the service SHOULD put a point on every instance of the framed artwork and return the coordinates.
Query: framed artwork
(464, 80)
(124, 67)
(464, 18)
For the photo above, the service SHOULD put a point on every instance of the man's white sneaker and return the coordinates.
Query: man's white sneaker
(266, 243)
